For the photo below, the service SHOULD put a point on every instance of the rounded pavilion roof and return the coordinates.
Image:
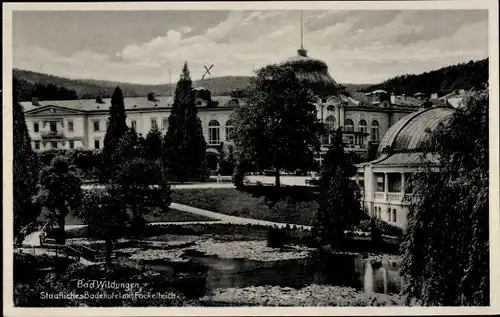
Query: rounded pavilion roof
(313, 72)
(411, 132)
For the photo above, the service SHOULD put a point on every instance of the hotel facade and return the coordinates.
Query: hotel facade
(363, 118)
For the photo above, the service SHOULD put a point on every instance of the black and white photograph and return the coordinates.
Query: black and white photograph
(225, 155)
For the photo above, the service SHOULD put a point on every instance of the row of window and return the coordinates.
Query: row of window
(53, 126)
(391, 214)
(362, 127)
(214, 131)
(54, 144)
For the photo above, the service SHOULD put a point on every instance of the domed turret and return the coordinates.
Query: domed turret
(314, 73)
(411, 132)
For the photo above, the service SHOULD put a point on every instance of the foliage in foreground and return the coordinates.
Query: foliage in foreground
(59, 190)
(446, 247)
(105, 216)
(339, 207)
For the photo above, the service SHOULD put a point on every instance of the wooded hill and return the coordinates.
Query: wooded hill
(473, 74)
(35, 84)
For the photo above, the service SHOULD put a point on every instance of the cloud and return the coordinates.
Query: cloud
(358, 46)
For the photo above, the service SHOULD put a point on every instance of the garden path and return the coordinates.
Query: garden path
(218, 218)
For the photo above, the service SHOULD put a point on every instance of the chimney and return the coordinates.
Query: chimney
(404, 96)
(35, 102)
(98, 99)
(152, 96)
(393, 99)
(434, 95)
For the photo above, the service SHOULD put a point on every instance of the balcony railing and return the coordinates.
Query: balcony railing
(394, 196)
(52, 134)
(379, 195)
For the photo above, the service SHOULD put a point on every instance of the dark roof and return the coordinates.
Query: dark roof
(314, 73)
(130, 103)
(410, 133)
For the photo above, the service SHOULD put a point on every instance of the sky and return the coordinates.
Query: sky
(143, 46)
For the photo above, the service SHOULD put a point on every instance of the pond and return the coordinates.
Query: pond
(320, 269)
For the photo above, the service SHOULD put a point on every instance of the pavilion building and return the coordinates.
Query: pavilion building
(384, 181)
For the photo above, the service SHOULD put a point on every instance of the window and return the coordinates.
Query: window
(394, 217)
(96, 126)
(389, 214)
(53, 127)
(348, 125)
(154, 124)
(380, 183)
(375, 131)
(97, 144)
(229, 129)
(37, 145)
(165, 124)
(362, 126)
(70, 126)
(330, 122)
(134, 124)
(36, 127)
(213, 132)
(71, 144)
(329, 126)
(53, 144)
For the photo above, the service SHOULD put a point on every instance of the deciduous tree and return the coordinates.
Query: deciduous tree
(105, 216)
(446, 246)
(278, 129)
(59, 190)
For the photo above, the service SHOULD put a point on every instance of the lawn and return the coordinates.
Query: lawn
(172, 215)
(290, 205)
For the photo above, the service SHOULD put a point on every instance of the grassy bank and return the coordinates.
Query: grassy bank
(155, 215)
(296, 206)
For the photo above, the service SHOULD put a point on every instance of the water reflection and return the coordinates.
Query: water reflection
(323, 269)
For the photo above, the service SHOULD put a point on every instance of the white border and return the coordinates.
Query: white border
(491, 5)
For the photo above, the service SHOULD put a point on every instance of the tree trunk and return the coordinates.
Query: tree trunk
(109, 251)
(61, 235)
(277, 175)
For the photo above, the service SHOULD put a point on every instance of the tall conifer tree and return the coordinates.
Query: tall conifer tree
(185, 145)
(24, 168)
(117, 126)
(339, 206)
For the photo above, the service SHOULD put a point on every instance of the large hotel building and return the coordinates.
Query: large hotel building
(363, 117)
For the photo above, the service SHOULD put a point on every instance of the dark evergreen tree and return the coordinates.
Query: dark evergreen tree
(137, 180)
(446, 245)
(117, 126)
(153, 144)
(339, 207)
(278, 129)
(185, 145)
(24, 169)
